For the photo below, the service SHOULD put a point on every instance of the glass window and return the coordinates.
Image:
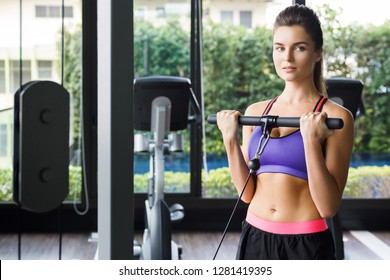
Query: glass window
(160, 12)
(40, 11)
(15, 73)
(162, 31)
(2, 76)
(227, 16)
(68, 12)
(53, 11)
(3, 140)
(246, 18)
(45, 70)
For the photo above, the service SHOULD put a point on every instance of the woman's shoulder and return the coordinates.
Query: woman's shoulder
(257, 109)
(334, 110)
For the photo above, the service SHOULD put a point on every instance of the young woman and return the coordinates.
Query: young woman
(303, 171)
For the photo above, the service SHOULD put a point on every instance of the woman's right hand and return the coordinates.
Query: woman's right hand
(227, 121)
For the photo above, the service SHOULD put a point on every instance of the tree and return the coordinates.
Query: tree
(72, 78)
(363, 53)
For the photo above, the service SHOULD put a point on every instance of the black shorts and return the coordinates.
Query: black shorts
(256, 244)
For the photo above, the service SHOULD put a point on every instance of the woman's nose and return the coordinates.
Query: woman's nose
(288, 55)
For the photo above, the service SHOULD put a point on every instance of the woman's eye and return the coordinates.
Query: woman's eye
(300, 48)
(279, 49)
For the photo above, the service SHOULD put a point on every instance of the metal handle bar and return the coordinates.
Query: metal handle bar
(276, 121)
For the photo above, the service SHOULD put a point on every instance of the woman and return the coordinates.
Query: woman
(303, 171)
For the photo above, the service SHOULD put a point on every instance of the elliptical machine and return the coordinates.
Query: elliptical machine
(161, 105)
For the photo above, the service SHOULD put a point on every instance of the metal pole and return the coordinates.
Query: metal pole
(115, 130)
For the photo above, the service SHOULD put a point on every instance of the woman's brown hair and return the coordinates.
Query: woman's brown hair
(305, 17)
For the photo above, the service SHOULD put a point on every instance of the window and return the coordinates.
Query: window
(227, 16)
(140, 13)
(246, 19)
(15, 73)
(53, 11)
(44, 70)
(160, 12)
(3, 140)
(2, 76)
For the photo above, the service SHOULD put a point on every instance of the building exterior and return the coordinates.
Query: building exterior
(248, 13)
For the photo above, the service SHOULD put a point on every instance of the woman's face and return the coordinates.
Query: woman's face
(294, 54)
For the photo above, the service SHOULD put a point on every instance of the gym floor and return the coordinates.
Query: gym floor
(358, 245)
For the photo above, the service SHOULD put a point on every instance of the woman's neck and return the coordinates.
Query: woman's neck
(298, 92)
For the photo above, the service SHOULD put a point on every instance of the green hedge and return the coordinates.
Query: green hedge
(173, 182)
(218, 184)
(368, 182)
(363, 182)
(6, 184)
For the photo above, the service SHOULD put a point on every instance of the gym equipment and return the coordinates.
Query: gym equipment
(41, 150)
(41, 146)
(347, 93)
(161, 105)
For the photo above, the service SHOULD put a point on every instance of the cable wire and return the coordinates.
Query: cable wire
(254, 165)
(233, 211)
(85, 179)
(62, 41)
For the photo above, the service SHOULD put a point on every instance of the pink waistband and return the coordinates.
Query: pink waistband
(286, 227)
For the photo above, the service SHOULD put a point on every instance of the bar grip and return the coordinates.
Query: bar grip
(275, 121)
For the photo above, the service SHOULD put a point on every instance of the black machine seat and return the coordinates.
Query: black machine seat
(177, 89)
(348, 93)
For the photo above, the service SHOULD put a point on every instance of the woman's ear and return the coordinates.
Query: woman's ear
(319, 54)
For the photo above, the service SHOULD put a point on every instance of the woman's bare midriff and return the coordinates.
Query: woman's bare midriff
(283, 198)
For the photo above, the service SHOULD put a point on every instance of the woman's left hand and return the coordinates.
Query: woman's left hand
(314, 128)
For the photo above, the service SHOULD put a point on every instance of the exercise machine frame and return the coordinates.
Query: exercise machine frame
(161, 105)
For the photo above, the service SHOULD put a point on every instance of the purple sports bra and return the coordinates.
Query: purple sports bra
(282, 154)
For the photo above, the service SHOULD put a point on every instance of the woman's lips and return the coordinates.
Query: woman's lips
(289, 69)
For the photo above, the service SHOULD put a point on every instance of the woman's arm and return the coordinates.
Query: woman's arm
(237, 156)
(327, 171)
